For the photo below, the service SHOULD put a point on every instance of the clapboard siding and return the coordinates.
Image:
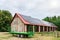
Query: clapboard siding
(17, 25)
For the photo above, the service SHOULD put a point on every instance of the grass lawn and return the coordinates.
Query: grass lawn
(37, 36)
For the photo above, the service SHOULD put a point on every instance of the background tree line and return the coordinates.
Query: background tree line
(5, 20)
(55, 20)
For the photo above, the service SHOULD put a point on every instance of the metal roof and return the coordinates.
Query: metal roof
(48, 23)
(32, 20)
(37, 21)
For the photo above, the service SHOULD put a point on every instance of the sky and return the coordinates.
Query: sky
(34, 8)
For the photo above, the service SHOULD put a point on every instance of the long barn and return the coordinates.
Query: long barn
(22, 23)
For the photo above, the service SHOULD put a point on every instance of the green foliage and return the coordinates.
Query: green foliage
(55, 20)
(5, 20)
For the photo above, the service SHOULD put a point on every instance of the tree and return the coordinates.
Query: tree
(5, 20)
(55, 20)
(47, 19)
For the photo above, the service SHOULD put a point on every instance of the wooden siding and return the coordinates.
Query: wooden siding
(17, 25)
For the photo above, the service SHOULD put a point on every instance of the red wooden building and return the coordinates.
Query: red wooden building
(22, 23)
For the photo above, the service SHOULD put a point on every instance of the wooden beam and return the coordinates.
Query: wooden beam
(33, 29)
(39, 28)
(43, 28)
(25, 28)
(47, 29)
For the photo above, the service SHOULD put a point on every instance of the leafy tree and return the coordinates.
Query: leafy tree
(55, 20)
(5, 20)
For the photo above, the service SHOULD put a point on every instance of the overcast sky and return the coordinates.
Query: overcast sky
(35, 8)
